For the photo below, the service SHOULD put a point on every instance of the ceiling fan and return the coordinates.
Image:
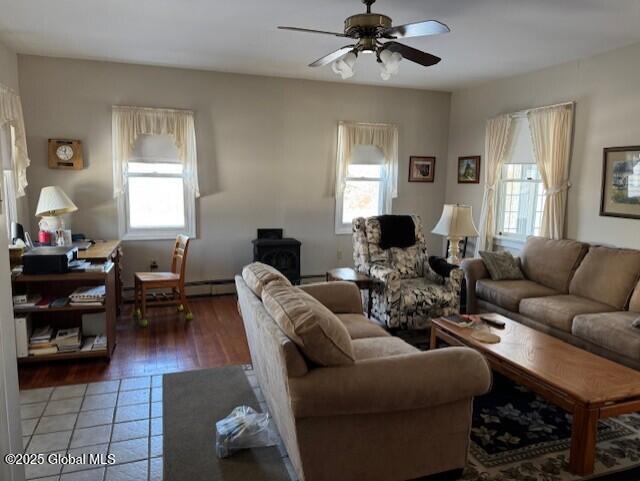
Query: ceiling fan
(368, 29)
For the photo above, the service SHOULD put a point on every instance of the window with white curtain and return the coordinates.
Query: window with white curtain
(520, 195)
(364, 193)
(8, 187)
(158, 202)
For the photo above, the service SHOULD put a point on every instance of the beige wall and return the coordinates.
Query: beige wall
(8, 67)
(266, 150)
(607, 91)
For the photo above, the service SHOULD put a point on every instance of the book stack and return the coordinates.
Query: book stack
(40, 342)
(88, 296)
(25, 302)
(68, 340)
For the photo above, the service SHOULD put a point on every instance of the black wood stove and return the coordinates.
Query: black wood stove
(282, 253)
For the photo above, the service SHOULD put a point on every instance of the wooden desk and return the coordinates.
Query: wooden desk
(103, 251)
(69, 316)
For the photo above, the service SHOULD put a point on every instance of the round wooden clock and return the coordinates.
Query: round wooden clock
(65, 154)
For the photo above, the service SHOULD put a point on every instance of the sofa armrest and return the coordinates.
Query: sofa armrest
(474, 270)
(396, 383)
(340, 297)
(384, 274)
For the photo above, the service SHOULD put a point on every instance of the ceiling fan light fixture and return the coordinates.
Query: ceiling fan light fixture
(344, 65)
(389, 64)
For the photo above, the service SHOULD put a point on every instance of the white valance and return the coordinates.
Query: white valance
(11, 113)
(128, 123)
(383, 136)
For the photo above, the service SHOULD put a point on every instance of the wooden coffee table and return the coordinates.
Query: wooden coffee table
(590, 387)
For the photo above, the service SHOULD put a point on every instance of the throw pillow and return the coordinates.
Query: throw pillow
(257, 275)
(317, 331)
(501, 265)
(441, 267)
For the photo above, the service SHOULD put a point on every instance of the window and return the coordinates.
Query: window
(158, 203)
(364, 192)
(8, 187)
(520, 196)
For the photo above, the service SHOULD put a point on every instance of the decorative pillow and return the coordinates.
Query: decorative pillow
(319, 334)
(501, 265)
(441, 267)
(258, 275)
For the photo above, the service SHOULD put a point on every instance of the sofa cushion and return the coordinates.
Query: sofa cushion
(319, 334)
(502, 266)
(360, 327)
(610, 330)
(257, 275)
(508, 294)
(559, 311)
(551, 262)
(634, 303)
(607, 275)
(381, 347)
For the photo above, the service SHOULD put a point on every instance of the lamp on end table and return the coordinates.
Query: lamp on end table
(456, 223)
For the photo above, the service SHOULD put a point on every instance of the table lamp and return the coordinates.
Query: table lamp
(456, 223)
(52, 204)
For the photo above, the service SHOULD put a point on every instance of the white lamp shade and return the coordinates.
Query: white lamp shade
(53, 201)
(456, 221)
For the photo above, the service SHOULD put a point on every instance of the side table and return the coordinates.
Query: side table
(363, 281)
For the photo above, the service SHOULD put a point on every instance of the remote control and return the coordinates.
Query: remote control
(493, 322)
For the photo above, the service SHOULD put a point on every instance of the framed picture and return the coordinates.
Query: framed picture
(422, 169)
(469, 169)
(620, 195)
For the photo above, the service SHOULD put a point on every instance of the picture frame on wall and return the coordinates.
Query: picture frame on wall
(469, 169)
(620, 195)
(422, 169)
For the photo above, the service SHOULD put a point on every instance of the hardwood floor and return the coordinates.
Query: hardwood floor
(214, 337)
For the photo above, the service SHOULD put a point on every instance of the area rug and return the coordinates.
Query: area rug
(517, 435)
(192, 403)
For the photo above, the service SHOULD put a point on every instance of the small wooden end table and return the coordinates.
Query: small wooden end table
(363, 281)
(589, 387)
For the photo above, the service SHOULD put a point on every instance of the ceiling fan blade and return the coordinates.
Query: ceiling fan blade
(308, 30)
(412, 54)
(418, 29)
(327, 59)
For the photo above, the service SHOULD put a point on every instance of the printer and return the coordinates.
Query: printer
(48, 260)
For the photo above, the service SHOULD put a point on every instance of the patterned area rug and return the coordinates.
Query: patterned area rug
(517, 435)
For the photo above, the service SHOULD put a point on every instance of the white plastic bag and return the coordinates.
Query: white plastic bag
(244, 428)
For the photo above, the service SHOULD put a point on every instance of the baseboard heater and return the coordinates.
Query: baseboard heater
(218, 282)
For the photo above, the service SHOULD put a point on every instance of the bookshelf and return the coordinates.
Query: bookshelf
(60, 285)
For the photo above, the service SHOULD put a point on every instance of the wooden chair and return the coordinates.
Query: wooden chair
(153, 281)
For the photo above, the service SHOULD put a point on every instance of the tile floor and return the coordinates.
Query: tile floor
(121, 417)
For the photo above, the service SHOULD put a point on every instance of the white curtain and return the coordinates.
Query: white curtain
(496, 140)
(128, 123)
(383, 136)
(551, 130)
(11, 113)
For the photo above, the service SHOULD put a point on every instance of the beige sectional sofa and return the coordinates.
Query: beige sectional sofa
(587, 295)
(394, 413)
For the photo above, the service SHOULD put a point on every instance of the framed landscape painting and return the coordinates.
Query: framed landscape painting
(469, 169)
(422, 169)
(621, 182)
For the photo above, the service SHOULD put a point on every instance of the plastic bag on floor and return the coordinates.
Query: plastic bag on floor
(242, 429)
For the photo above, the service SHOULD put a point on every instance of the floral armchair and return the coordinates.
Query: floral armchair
(409, 293)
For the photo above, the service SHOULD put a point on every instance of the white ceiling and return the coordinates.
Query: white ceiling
(489, 38)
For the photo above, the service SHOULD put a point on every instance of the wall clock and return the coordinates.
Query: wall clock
(65, 154)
